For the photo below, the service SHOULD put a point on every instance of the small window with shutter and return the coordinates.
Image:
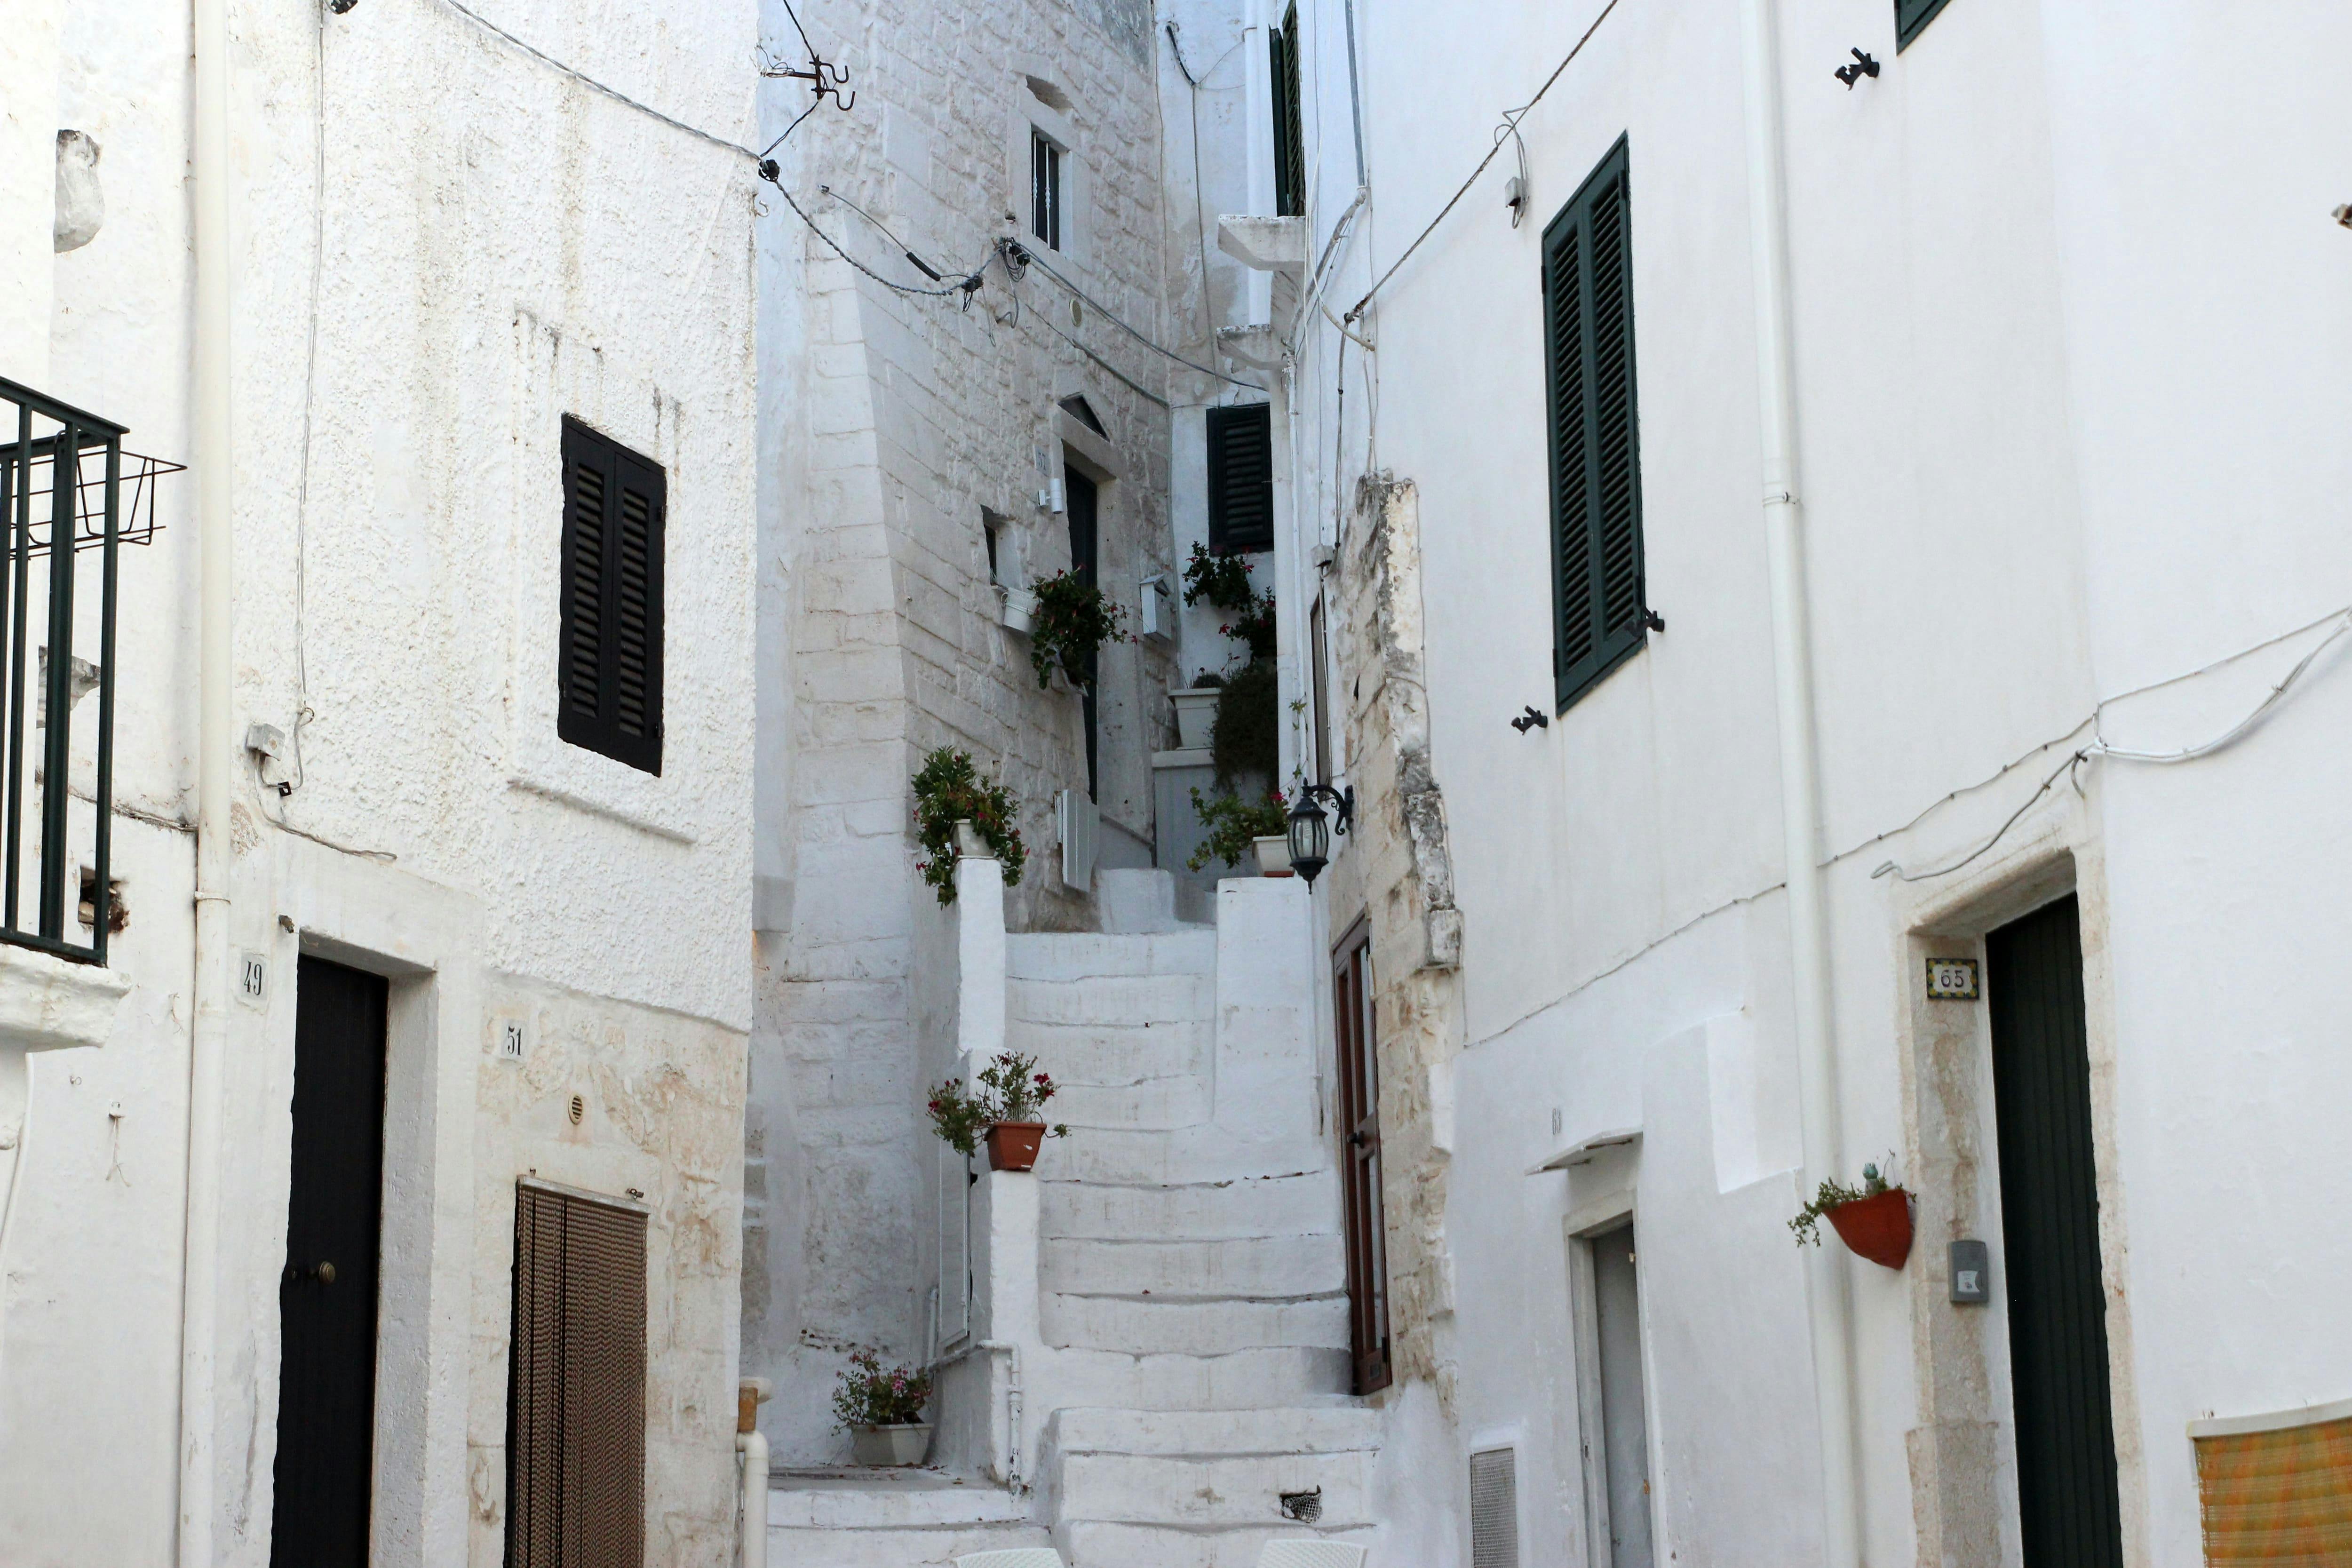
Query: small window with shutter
(609, 661)
(576, 1383)
(1289, 132)
(1240, 478)
(1601, 614)
(1910, 18)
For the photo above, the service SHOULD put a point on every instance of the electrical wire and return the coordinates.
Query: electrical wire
(1452, 202)
(2099, 748)
(769, 172)
(1199, 210)
(1115, 320)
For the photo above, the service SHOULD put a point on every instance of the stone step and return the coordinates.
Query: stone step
(1242, 1206)
(1213, 1492)
(1331, 1425)
(1114, 999)
(1089, 1543)
(1276, 1375)
(1080, 955)
(1256, 1267)
(1194, 1326)
(1120, 1053)
(1158, 1105)
(892, 1519)
(1119, 1157)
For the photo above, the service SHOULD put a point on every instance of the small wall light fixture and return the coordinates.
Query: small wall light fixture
(2344, 215)
(1311, 830)
(1863, 66)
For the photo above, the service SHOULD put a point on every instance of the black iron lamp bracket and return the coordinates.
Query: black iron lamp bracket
(1531, 720)
(1863, 66)
(1342, 800)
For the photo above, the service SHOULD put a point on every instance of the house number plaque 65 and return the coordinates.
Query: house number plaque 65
(1953, 980)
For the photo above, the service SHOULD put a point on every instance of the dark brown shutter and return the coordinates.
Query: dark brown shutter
(1600, 611)
(576, 1384)
(1240, 478)
(610, 651)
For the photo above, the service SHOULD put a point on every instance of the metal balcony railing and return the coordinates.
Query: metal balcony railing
(69, 497)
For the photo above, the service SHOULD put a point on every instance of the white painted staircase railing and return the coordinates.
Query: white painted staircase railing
(1169, 1283)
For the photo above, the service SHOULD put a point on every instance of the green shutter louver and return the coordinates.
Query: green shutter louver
(609, 646)
(1240, 478)
(1910, 17)
(1289, 129)
(1600, 613)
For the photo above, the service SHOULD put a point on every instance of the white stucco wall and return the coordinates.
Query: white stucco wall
(484, 243)
(2049, 456)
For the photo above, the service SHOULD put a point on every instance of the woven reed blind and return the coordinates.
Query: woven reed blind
(576, 1384)
(2282, 1498)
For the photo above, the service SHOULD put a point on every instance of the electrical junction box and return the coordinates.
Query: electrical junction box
(1971, 1273)
(1157, 615)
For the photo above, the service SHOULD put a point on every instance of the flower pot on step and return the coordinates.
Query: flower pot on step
(1877, 1227)
(1013, 1145)
(906, 1444)
(1274, 855)
(1019, 612)
(969, 843)
(1196, 715)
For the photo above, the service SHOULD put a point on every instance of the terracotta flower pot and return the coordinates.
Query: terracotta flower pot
(1876, 1227)
(906, 1444)
(1013, 1145)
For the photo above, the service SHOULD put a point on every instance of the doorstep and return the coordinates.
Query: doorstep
(911, 1497)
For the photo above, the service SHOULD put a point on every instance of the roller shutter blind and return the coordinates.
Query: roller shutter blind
(1240, 478)
(1600, 613)
(576, 1383)
(2281, 1496)
(610, 653)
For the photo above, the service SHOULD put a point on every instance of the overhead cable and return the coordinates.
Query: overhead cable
(1030, 256)
(1492, 153)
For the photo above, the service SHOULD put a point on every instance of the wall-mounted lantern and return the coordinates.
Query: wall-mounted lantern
(1311, 830)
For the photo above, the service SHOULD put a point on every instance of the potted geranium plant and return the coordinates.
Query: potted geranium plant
(1072, 619)
(1004, 1109)
(950, 800)
(883, 1410)
(1238, 828)
(1873, 1219)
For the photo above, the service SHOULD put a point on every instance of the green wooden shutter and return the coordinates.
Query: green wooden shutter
(1240, 478)
(1600, 613)
(1910, 17)
(609, 652)
(1289, 131)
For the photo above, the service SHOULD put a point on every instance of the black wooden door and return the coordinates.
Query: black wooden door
(1085, 544)
(1359, 1160)
(2050, 1225)
(326, 1295)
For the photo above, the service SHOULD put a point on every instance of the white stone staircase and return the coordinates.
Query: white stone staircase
(1172, 1274)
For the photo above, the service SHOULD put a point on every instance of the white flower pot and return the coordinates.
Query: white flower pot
(1274, 855)
(1196, 714)
(908, 1445)
(969, 843)
(1020, 610)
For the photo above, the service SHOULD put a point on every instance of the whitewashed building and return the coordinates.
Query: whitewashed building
(1830, 517)
(429, 869)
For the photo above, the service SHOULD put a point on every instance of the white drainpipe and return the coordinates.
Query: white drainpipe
(199, 1285)
(1011, 1409)
(1800, 787)
(751, 1490)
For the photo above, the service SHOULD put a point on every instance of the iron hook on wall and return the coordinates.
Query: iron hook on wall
(1863, 66)
(1531, 720)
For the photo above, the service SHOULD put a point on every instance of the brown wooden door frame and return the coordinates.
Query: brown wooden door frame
(1358, 1050)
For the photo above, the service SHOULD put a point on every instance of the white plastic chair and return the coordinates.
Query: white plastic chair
(1016, 1557)
(1311, 1554)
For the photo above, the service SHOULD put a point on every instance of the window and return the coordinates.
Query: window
(1601, 614)
(1240, 478)
(1911, 16)
(1289, 135)
(576, 1383)
(1045, 189)
(610, 658)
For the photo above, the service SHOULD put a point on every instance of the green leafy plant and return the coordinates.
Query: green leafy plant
(1245, 742)
(1232, 823)
(869, 1395)
(1011, 1089)
(949, 789)
(1073, 619)
(1254, 623)
(1834, 1194)
(1222, 579)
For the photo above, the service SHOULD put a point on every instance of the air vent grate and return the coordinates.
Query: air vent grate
(1495, 1508)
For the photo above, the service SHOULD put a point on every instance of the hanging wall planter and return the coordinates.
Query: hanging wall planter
(1873, 1220)
(1877, 1227)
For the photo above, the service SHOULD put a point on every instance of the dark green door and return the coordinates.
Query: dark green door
(2049, 1228)
(1085, 502)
